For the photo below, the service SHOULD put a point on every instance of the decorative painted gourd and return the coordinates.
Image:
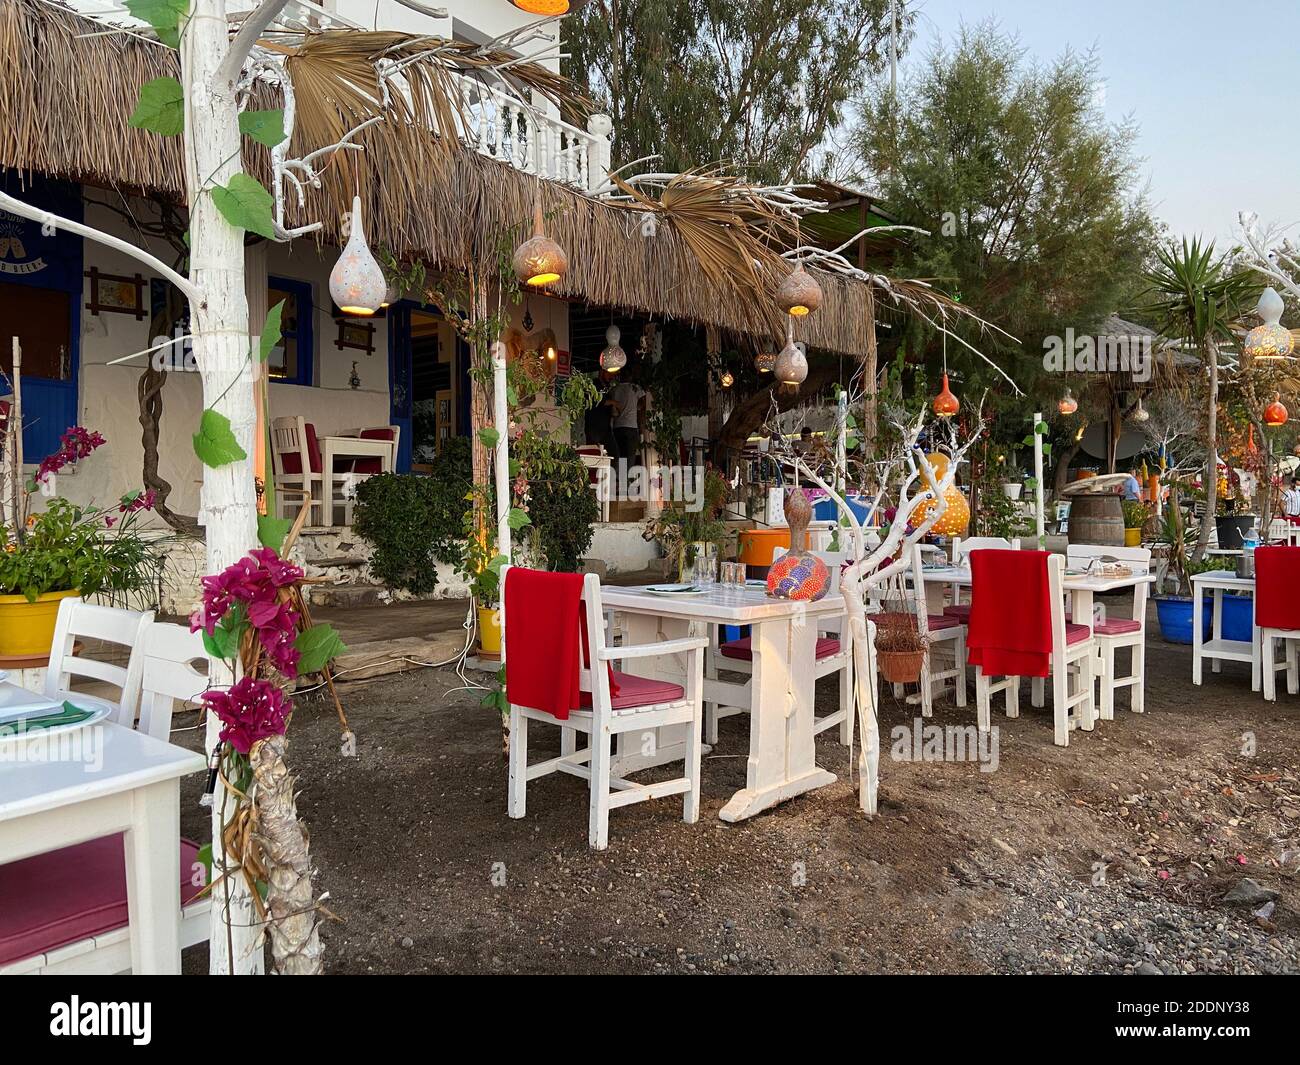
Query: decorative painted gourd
(956, 517)
(799, 575)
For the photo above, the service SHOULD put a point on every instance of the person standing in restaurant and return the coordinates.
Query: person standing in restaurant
(628, 401)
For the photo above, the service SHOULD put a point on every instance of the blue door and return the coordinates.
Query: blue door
(40, 304)
(400, 378)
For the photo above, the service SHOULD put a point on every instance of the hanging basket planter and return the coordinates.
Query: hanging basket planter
(900, 667)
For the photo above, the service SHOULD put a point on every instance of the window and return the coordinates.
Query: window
(290, 361)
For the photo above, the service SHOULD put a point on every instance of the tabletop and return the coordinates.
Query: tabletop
(1222, 578)
(109, 759)
(1071, 581)
(718, 603)
(355, 445)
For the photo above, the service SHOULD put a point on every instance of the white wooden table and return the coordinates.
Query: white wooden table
(1217, 649)
(57, 792)
(1081, 586)
(782, 753)
(350, 447)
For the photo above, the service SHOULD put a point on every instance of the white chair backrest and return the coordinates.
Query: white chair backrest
(963, 546)
(1056, 596)
(125, 628)
(169, 675)
(289, 436)
(1081, 555)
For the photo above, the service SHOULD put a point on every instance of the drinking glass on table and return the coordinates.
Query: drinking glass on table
(706, 570)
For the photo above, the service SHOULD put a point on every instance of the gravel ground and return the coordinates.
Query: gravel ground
(1165, 842)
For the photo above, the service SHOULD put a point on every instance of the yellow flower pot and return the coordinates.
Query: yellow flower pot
(1132, 537)
(27, 629)
(489, 632)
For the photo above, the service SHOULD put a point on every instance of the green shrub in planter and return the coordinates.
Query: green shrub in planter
(561, 505)
(413, 522)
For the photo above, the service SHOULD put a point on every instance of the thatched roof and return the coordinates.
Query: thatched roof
(67, 100)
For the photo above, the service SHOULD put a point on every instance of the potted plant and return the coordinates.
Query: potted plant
(1013, 481)
(481, 566)
(679, 527)
(66, 550)
(900, 647)
(1136, 514)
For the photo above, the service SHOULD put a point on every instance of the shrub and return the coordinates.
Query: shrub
(413, 522)
(561, 505)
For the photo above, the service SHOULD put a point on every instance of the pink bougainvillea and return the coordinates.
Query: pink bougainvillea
(255, 582)
(74, 446)
(249, 711)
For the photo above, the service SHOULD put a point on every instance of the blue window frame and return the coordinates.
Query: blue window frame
(291, 361)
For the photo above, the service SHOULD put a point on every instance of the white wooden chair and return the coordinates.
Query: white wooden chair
(298, 464)
(961, 548)
(834, 655)
(75, 878)
(641, 704)
(599, 471)
(78, 619)
(1277, 617)
(1074, 655)
(1112, 633)
(943, 632)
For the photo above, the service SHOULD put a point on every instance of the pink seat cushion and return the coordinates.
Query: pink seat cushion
(960, 611)
(942, 621)
(628, 691)
(1117, 627)
(1077, 633)
(51, 900)
(292, 460)
(373, 464)
(743, 648)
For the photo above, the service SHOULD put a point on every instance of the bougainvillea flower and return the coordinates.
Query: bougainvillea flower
(74, 445)
(255, 582)
(250, 710)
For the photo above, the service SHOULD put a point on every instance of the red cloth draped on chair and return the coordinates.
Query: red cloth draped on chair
(1277, 587)
(543, 636)
(1011, 614)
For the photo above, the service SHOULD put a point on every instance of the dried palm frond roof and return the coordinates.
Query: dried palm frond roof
(67, 90)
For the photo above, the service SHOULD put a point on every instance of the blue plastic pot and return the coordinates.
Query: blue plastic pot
(1174, 612)
(1238, 620)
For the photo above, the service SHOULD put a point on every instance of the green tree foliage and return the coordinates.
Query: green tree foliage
(1031, 197)
(760, 86)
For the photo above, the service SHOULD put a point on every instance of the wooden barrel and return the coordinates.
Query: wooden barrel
(1097, 520)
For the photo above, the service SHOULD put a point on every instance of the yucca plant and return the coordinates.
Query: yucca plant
(1195, 296)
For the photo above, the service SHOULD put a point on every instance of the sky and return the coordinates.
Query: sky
(1210, 84)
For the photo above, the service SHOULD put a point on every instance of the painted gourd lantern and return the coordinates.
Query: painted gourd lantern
(956, 517)
(800, 574)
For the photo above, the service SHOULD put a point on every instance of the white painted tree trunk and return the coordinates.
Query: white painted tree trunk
(221, 349)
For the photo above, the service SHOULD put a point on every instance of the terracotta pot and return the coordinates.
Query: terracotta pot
(27, 629)
(900, 667)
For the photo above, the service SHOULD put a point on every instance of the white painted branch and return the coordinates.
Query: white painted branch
(250, 31)
(45, 218)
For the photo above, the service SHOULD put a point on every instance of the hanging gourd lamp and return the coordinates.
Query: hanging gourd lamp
(1275, 414)
(539, 260)
(726, 380)
(945, 403)
(791, 366)
(548, 8)
(765, 361)
(799, 294)
(1140, 413)
(357, 283)
(1068, 404)
(1270, 340)
(613, 358)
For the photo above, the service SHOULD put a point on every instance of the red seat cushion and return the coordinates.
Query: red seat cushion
(51, 900)
(1117, 627)
(292, 460)
(960, 611)
(743, 649)
(1077, 633)
(627, 691)
(942, 621)
(373, 464)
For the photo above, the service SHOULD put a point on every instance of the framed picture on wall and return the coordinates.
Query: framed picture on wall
(116, 293)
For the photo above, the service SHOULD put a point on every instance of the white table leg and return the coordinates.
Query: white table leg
(634, 751)
(1216, 629)
(1198, 637)
(152, 846)
(1256, 658)
(327, 485)
(782, 752)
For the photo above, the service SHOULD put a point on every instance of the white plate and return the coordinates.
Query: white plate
(678, 590)
(8, 732)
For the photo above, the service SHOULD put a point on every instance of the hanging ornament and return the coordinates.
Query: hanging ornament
(539, 260)
(1140, 413)
(528, 318)
(613, 358)
(1271, 340)
(791, 365)
(799, 294)
(799, 574)
(357, 284)
(726, 380)
(765, 361)
(1068, 404)
(945, 403)
(392, 293)
(1275, 414)
(355, 378)
(548, 8)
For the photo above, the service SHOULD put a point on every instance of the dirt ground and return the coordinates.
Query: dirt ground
(1112, 855)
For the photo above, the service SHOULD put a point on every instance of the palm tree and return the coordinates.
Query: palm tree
(1196, 296)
